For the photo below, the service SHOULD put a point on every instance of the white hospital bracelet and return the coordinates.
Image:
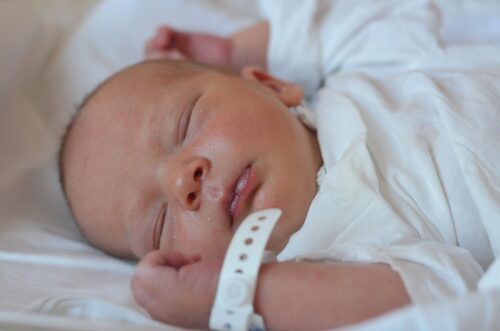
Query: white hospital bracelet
(233, 304)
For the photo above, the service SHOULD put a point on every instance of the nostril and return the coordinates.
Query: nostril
(198, 173)
(191, 197)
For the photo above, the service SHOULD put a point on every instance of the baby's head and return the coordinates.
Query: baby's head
(174, 155)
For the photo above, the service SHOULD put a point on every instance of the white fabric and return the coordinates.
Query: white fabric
(332, 35)
(410, 136)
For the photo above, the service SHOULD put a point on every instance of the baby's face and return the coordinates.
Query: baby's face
(178, 163)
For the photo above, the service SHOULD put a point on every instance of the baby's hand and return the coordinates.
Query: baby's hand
(168, 43)
(175, 288)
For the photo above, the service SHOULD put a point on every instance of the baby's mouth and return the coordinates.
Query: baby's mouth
(239, 194)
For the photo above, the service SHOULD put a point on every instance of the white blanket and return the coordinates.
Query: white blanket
(50, 278)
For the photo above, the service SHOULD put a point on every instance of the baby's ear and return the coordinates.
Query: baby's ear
(290, 94)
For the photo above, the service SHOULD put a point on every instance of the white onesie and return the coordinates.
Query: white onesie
(410, 137)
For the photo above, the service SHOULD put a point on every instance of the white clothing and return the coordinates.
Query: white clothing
(410, 137)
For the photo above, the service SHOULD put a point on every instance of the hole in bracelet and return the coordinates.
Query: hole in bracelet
(254, 228)
(261, 218)
(248, 241)
(243, 256)
(238, 271)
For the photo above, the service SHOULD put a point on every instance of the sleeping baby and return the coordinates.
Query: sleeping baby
(386, 198)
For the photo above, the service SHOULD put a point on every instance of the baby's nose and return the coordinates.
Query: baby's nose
(186, 183)
(190, 190)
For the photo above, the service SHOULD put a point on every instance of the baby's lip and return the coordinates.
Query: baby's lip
(238, 193)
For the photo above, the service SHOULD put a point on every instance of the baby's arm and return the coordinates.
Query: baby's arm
(290, 295)
(243, 48)
(312, 296)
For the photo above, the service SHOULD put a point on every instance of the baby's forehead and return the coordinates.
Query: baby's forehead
(161, 71)
(137, 86)
(127, 91)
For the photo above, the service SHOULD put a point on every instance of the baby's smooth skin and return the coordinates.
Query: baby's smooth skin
(150, 168)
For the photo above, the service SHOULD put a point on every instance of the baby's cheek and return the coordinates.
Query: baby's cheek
(207, 237)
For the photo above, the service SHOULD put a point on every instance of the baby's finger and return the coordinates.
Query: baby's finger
(156, 55)
(175, 54)
(160, 41)
(163, 37)
(172, 259)
(152, 285)
(165, 55)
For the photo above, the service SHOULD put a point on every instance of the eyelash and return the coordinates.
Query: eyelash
(186, 126)
(159, 227)
(187, 121)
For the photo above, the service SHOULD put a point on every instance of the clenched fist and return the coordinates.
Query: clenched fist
(175, 288)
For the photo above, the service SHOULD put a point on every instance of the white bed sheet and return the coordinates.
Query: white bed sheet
(50, 278)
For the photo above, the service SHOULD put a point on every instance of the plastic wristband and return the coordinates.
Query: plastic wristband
(233, 305)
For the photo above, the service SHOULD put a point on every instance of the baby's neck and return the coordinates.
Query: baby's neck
(317, 159)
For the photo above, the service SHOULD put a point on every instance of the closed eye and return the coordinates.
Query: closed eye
(160, 221)
(186, 119)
